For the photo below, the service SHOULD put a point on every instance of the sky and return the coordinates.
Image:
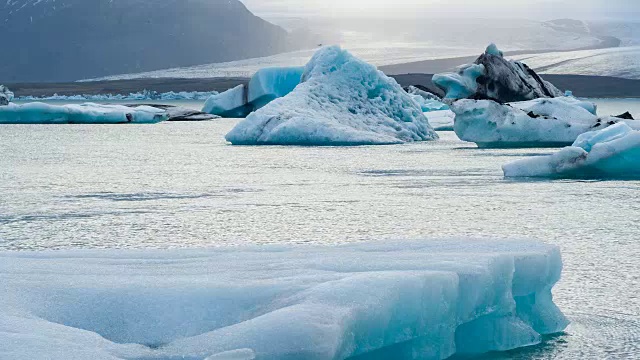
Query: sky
(538, 9)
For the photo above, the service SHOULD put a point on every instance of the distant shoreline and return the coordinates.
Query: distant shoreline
(581, 85)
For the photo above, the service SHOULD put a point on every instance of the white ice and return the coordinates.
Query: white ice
(341, 101)
(442, 120)
(142, 95)
(613, 152)
(461, 84)
(395, 300)
(427, 101)
(265, 86)
(536, 123)
(88, 113)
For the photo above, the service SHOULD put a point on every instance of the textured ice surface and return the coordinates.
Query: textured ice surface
(427, 101)
(88, 113)
(341, 101)
(496, 78)
(396, 299)
(143, 95)
(5, 95)
(265, 86)
(231, 103)
(613, 152)
(535, 123)
(441, 120)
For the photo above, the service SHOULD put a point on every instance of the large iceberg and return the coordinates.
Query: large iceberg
(88, 113)
(341, 101)
(391, 300)
(537, 123)
(5, 95)
(613, 152)
(265, 86)
(492, 77)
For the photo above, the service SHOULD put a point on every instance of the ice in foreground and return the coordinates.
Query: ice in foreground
(536, 123)
(265, 85)
(492, 77)
(395, 300)
(88, 113)
(610, 153)
(341, 101)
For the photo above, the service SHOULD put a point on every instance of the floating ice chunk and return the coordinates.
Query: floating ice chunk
(271, 83)
(613, 152)
(427, 101)
(265, 86)
(341, 101)
(179, 113)
(492, 77)
(397, 300)
(231, 103)
(5, 95)
(88, 113)
(536, 123)
(442, 120)
(462, 84)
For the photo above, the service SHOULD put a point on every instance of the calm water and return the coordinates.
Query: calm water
(180, 185)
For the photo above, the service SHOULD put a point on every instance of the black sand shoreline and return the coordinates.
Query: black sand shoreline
(582, 86)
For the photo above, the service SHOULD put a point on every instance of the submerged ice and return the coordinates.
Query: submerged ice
(341, 101)
(613, 152)
(88, 113)
(399, 300)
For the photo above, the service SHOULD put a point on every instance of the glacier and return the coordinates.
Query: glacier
(545, 122)
(492, 77)
(427, 299)
(611, 153)
(88, 113)
(265, 86)
(6, 96)
(141, 95)
(341, 100)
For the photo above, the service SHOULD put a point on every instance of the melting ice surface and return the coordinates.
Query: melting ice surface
(401, 300)
(87, 113)
(613, 152)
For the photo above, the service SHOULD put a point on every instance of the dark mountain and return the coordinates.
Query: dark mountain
(62, 40)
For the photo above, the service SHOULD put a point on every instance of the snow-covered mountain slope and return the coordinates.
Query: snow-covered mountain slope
(60, 40)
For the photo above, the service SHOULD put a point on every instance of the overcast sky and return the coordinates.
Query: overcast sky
(545, 9)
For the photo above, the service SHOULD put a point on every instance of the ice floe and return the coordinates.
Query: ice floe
(88, 113)
(441, 120)
(265, 86)
(537, 123)
(341, 101)
(492, 77)
(613, 152)
(397, 300)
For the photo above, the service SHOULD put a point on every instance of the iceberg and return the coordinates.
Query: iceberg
(88, 113)
(441, 120)
(427, 101)
(265, 86)
(179, 113)
(611, 153)
(427, 299)
(552, 122)
(492, 77)
(341, 101)
(6, 96)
